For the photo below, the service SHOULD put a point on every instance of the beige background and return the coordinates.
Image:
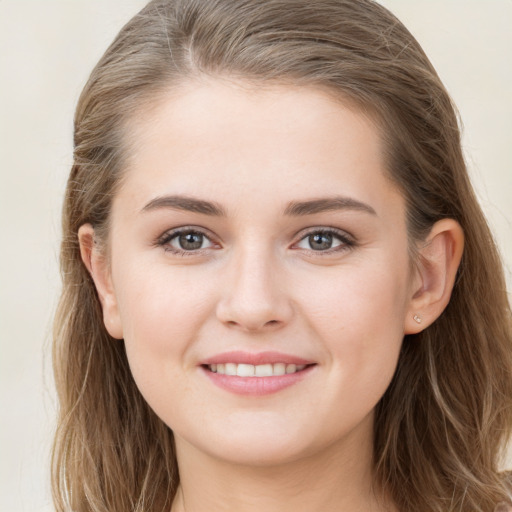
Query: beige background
(47, 48)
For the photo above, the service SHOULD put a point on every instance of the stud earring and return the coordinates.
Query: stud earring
(417, 319)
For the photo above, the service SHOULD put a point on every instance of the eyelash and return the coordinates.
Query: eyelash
(347, 242)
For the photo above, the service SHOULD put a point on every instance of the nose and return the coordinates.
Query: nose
(253, 297)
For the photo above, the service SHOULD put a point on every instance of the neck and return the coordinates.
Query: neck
(337, 479)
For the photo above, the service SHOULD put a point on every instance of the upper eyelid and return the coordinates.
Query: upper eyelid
(340, 233)
(304, 232)
(164, 240)
(325, 229)
(171, 234)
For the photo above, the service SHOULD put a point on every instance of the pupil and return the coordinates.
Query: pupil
(191, 241)
(320, 241)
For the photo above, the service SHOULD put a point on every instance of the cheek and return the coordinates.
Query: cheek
(360, 319)
(359, 297)
(160, 312)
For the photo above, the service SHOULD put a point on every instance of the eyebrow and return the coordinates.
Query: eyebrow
(299, 208)
(293, 209)
(186, 203)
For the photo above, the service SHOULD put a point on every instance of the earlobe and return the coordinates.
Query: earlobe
(97, 265)
(439, 257)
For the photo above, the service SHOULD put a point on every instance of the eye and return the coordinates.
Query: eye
(185, 241)
(325, 240)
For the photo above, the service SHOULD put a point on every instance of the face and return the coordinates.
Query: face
(256, 233)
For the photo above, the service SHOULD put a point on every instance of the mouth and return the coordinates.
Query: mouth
(256, 374)
(260, 370)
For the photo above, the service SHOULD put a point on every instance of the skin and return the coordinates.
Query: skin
(257, 284)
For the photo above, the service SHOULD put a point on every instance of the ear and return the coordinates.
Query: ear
(97, 265)
(438, 260)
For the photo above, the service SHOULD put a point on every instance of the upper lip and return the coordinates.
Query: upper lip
(255, 358)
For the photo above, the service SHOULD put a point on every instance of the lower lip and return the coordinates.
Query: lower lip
(256, 386)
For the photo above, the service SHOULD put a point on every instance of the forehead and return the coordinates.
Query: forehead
(198, 108)
(281, 141)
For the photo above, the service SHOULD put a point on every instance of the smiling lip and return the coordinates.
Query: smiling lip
(256, 386)
(239, 357)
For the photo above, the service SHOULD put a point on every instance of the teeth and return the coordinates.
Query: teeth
(260, 370)
(279, 369)
(291, 368)
(264, 370)
(230, 368)
(245, 370)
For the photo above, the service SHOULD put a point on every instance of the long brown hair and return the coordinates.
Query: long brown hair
(442, 425)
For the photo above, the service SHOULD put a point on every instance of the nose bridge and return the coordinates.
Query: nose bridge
(253, 296)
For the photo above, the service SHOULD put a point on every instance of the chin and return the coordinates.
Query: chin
(260, 454)
(258, 444)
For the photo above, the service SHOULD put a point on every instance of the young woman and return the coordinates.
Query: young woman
(280, 292)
